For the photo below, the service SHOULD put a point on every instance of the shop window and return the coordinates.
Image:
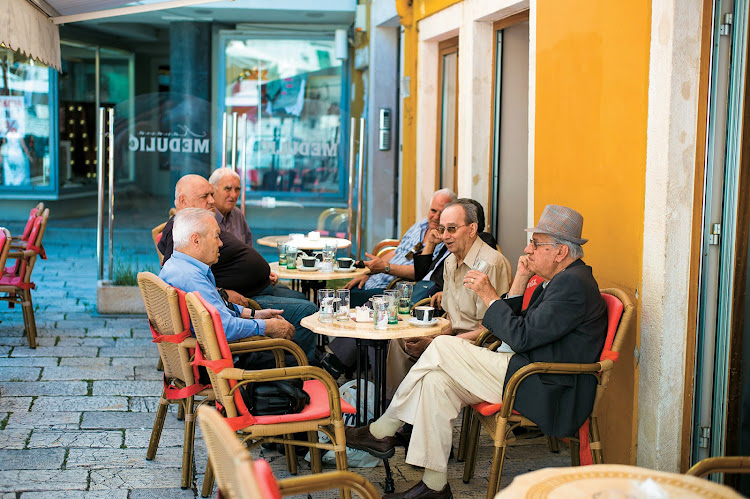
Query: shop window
(24, 122)
(291, 92)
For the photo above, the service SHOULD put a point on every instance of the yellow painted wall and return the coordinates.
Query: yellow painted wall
(590, 154)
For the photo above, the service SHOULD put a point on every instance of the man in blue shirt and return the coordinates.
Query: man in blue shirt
(196, 248)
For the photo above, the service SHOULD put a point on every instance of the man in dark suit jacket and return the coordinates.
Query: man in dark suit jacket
(566, 321)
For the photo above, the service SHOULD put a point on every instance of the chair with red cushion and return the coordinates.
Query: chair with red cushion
(324, 413)
(500, 419)
(240, 477)
(19, 242)
(16, 282)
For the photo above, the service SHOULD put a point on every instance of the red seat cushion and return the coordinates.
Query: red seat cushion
(316, 409)
(487, 409)
(269, 488)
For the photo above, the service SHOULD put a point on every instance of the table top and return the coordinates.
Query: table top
(365, 330)
(285, 273)
(305, 243)
(609, 480)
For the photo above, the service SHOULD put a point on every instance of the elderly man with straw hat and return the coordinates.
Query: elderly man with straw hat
(565, 321)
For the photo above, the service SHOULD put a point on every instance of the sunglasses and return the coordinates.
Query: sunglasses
(451, 229)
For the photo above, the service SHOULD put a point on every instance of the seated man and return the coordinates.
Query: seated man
(196, 247)
(240, 270)
(566, 321)
(428, 265)
(226, 185)
(399, 263)
(458, 230)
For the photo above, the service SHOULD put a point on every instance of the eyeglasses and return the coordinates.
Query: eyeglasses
(536, 244)
(451, 229)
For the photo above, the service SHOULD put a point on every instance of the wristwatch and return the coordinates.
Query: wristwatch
(387, 268)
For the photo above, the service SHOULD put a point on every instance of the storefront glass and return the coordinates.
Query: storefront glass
(291, 92)
(25, 123)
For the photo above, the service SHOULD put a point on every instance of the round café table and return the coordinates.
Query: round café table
(610, 480)
(314, 279)
(367, 336)
(304, 243)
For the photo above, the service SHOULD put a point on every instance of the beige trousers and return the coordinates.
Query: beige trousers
(451, 374)
(398, 364)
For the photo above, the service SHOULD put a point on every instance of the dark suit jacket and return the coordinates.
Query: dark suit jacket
(565, 322)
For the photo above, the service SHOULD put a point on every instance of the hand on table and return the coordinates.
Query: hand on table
(357, 281)
(279, 328)
(268, 313)
(273, 278)
(481, 285)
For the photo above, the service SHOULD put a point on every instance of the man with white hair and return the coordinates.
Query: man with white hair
(227, 190)
(240, 270)
(195, 234)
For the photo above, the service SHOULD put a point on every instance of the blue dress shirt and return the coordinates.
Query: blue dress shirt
(188, 274)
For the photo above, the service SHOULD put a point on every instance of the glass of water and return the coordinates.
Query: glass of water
(343, 299)
(329, 254)
(392, 296)
(291, 257)
(481, 266)
(404, 300)
(380, 312)
(281, 246)
(326, 299)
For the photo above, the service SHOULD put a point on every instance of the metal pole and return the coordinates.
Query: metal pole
(234, 142)
(350, 207)
(224, 140)
(243, 180)
(360, 185)
(111, 161)
(100, 196)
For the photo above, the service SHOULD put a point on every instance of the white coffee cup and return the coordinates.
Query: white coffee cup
(424, 313)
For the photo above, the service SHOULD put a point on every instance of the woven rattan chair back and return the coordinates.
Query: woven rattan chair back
(163, 310)
(230, 460)
(5, 241)
(37, 242)
(209, 345)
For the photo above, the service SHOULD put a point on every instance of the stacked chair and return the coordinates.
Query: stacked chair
(500, 419)
(239, 477)
(15, 280)
(324, 413)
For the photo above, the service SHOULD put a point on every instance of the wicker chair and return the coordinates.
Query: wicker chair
(170, 326)
(156, 236)
(16, 280)
(331, 220)
(239, 477)
(723, 464)
(19, 242)
(499, 419)
(324, 413)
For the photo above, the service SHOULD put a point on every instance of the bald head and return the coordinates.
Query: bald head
(437, 203)
(193, 191)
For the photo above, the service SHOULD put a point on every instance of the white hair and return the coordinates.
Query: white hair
(187, 222)
(446, 193)
(574, 250)
(220, 173)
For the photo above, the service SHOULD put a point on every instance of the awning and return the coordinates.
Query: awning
(30, 26)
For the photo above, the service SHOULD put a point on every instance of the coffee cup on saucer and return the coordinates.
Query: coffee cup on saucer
(424, 313)
(345, 263)
(309, 261)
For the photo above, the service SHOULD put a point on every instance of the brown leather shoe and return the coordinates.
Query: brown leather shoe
(361, 438)
(422, 491)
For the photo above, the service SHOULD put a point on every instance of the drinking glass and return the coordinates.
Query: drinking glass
(329, 253)
(404, 301)
(281, 246)
(392, 296)
(326, 298)
(342, 304)
(291, 257)
(481, 266)
(380, 312)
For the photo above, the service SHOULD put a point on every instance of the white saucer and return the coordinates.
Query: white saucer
(414, 322)
(350, 269)
(308, 269)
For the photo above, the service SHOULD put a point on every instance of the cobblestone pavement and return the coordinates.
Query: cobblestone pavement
(76, 413)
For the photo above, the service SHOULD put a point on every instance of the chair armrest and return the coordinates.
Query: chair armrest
(511, 387)
(259, 343)
(483, 336)
(328, 480)
(281, 373)
(21, 254)
(189, 343)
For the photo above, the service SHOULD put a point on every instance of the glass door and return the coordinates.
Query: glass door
(448, 115)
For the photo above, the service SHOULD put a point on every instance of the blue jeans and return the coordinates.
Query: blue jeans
(294, 311)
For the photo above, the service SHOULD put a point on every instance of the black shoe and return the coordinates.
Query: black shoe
(361, 438)
(420, 490)
(333, 365)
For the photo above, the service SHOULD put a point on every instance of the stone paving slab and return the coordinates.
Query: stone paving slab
(71, 438)
(88, 372)
(14, 438)
(161, 493)
(147, 372)
(124, 458)
(23, 480)
(85, 362)
(55, 352)
(40, 419)
(143, 404)
(71, 494)
(19, 373)
(32, 459)
(149, 362)
(33, 388)
(144, 349)
(80, 404)
(115, 478)
(71, 341)
(15, 404)
(134, 420)
(137, 437)
(29, 362)
(128, 388)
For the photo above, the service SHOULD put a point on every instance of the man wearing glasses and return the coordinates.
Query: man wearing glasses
(458, 230)
(566, 321)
